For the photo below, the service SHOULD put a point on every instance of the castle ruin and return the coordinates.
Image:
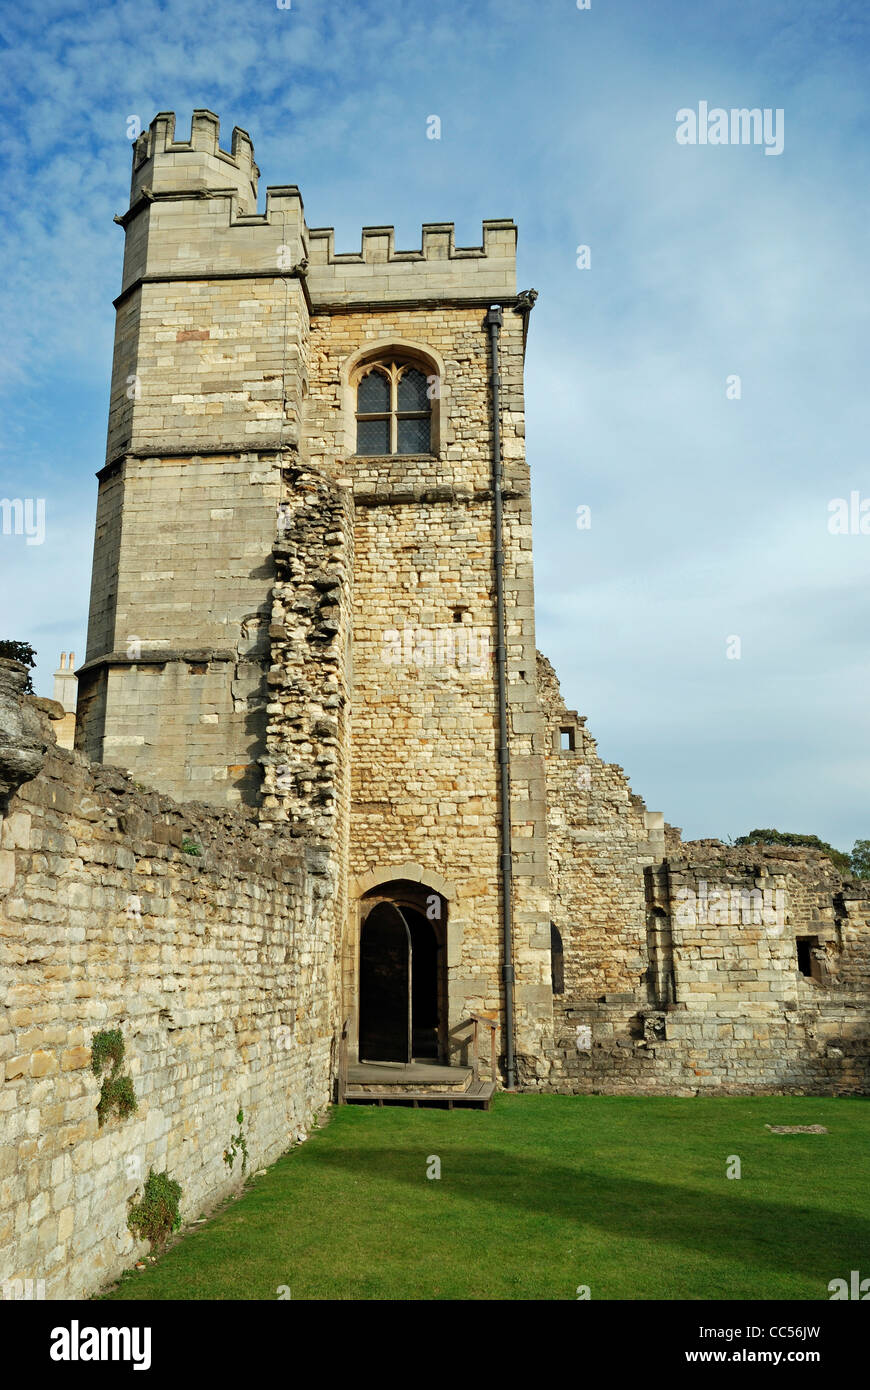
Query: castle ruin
(311, 657)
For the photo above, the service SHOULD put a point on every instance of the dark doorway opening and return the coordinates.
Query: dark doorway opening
(808, 957)
(385, 980)
(403, 978)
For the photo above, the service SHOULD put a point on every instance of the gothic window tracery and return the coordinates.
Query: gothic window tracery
(393, 410)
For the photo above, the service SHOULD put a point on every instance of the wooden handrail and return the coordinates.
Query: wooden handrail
(342, 1064)
(492, 1024)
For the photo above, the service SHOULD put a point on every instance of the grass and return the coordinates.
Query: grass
(627, 1195)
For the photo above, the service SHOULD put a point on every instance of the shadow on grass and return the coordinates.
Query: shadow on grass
(781, 1236)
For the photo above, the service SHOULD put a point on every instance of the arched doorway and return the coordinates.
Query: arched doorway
(385, 986)
(403, 976)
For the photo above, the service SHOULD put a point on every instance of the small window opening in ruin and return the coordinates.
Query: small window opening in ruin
(557, 961)
(808, 964)
(566, 740)
(459, 614)
(661, 980)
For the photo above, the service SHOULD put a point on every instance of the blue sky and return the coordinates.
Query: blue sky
(709, 515)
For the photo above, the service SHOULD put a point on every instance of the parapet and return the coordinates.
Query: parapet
(225, 233)
(379, 272)
(162, 164)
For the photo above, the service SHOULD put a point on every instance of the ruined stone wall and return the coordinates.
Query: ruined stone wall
(206, 941)
(306, 766)
(744, 1018)
(681, 969)
(310, 636)
(601, 838)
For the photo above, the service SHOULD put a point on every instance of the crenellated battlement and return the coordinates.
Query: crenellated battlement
(439, 267)
(226, 233)
(378, 245)
(162, 164)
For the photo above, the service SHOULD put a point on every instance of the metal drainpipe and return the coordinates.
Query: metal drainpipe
(494, 319)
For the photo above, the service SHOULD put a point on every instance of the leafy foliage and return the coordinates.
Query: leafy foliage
(116, 1092)
(238, 1145)
(157, 1215)
(107, 1048)
(23, 652)
(860, 859)
(785, 837)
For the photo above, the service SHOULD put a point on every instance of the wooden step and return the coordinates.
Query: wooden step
(387, 1078)
(478, 1095)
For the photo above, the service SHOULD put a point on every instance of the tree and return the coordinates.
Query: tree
(860, 859)
(840, 860)
(23, 652)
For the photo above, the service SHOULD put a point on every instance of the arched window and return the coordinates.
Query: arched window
(393, 410)
(557, 961)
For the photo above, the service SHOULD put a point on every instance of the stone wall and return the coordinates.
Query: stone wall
(306, 765)
(681, 962)
(174, 684)
(256, 581)
(208, 381)
(439, 269)
(600, 839)
(240, 338)
(207, 941)
(424, 743)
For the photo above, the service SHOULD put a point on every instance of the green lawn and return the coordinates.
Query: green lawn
(544, 1193)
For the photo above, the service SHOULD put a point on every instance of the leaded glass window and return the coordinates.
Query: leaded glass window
(394, 410)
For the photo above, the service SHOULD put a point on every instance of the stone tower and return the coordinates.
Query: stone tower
(207, 379)
(296, 575)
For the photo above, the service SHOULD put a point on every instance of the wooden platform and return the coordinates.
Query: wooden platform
(415, 1084)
